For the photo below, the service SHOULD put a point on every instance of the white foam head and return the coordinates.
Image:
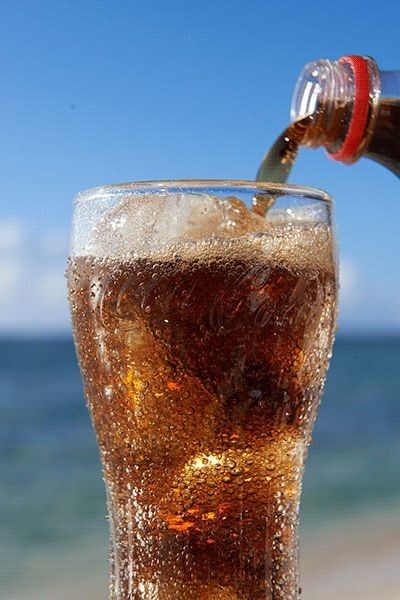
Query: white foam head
(200, 227)
(138, 225)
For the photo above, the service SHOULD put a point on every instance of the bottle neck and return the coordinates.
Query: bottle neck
(341, 100)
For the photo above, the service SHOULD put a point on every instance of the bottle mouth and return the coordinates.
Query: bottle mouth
(306, 92)
(316, 85)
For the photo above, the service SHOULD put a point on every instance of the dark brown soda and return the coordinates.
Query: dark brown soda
(384, 146)
(280, 158)
(203, 375)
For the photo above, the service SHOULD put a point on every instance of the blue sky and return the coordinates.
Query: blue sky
(101, 92)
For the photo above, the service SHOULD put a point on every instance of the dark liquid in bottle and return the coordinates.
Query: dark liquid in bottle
(384, 146)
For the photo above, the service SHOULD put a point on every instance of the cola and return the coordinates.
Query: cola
(280, 159)
(203, 365)
(384, 146)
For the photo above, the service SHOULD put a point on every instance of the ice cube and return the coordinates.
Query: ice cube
(141, 224)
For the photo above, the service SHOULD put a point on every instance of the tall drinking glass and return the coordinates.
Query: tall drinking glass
(203, 323)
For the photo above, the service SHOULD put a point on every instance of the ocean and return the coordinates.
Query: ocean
(52, 502)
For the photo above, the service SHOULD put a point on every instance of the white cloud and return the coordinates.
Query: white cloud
(11, 235)
(364, 303)
(33, 295)
(54, 242)
(51, 286)
(350, 283)
(10, 276)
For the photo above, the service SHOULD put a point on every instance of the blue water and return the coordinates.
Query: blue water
(52, 503)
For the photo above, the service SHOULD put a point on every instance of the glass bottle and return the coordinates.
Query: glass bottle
(351, 108)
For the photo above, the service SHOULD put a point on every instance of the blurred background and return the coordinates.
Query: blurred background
(102, 92)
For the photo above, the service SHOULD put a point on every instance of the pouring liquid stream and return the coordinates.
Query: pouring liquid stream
(277, 164)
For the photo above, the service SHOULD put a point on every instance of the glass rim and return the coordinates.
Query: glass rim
(286, 189)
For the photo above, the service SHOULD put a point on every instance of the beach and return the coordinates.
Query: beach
(353, 561)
